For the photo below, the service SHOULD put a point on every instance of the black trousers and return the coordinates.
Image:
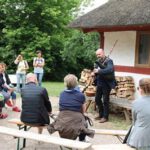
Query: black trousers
(102, 100)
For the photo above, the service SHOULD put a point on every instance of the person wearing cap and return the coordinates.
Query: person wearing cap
(38, 64)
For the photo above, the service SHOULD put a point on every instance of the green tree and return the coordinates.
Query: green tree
(79, 51)
(28, 25)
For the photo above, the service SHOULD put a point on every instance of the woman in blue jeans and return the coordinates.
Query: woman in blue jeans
(38, 64)
(21, 71)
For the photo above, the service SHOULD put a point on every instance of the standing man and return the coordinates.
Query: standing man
(36, 106)
(38, 64)
(105, 80)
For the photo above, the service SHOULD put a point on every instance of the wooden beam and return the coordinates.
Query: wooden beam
(139, 70)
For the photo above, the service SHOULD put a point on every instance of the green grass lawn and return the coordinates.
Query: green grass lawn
(54, 88)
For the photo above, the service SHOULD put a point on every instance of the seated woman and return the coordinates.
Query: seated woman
(71, 122)
(139, 136)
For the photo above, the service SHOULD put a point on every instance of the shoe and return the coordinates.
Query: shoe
(3, 116)
(16, 109)
(9, 103)
(103, 120)
(97, 118)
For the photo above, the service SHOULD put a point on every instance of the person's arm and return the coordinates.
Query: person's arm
(109, 68)
(83, 109)
(17, 60)
(26, 65)
(47, 101)
(42, 64)
(34, 62)
(134, 114)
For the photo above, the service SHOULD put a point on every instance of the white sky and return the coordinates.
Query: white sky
(96, 3)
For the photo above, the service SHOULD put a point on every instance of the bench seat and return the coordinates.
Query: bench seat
(45, 138)
(112, 147)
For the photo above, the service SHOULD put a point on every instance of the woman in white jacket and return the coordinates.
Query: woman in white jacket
(21, 71)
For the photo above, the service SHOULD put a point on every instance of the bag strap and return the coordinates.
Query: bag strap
(89, 120)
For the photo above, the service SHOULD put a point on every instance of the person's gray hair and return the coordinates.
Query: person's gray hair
(31, 77)
(144, 84)
(70, 81)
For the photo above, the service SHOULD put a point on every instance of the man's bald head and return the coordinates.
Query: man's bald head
(100, 53)
(31, 77)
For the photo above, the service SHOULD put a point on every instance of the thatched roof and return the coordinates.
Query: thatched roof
(116, 13)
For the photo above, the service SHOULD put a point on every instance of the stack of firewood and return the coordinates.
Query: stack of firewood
(125, 88)
(85, 83)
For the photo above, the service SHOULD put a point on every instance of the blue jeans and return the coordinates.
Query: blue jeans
(6, 96)
(12, 94)
(39, 78)
(20, 77)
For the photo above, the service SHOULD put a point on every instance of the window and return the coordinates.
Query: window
(142, 56)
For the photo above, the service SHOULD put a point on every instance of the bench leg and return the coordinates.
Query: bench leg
(127, 116)
(88, 105)
(24, 140)
(18, 144)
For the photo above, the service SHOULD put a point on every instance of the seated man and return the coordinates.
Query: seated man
(36, 106)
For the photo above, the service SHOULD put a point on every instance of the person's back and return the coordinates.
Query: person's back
(35, 104)
(139, 136)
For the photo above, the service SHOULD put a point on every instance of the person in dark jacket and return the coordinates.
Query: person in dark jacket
(3, 93)
(8, 87)
(36, 106)
(105, 81)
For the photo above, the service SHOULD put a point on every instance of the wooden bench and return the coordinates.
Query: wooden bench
(123, 103)
(25, 127)
(117, 133)
(112, 147)
(45, 138)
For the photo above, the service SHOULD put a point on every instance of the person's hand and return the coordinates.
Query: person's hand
(92, 74)
(96, 70)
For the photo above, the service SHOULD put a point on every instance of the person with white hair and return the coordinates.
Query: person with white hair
(71, 122)
(36, 106)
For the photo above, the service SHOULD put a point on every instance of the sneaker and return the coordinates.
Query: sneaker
(9, 103)
(3, 116)
(16, 109)
(97, 118)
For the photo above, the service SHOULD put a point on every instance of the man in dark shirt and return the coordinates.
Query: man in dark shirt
(36, 106)
(105, 81)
